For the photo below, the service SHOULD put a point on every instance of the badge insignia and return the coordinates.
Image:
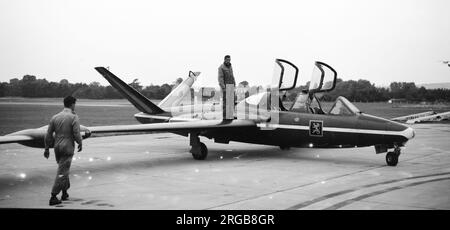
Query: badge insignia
(316, 128)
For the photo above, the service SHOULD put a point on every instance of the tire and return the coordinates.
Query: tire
(391, 159)
(203, 152)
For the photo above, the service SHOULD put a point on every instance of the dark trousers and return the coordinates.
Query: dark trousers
(62, 182)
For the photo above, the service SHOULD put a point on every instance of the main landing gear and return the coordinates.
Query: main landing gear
(392, 157)
(198, 149)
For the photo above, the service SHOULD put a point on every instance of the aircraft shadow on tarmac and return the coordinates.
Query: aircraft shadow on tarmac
(222, 156)
(216, 156)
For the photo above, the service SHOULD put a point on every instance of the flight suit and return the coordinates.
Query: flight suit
(227, 82)
(66, 127)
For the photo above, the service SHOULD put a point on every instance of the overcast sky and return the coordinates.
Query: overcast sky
(159, 41)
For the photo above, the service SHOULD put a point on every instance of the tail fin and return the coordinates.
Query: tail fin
(179, 93)
(139, 101)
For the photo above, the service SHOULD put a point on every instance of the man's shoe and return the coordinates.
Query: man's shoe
(65, 196)
(54, 201)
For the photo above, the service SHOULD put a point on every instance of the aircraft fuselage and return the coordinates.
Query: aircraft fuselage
(295, 129)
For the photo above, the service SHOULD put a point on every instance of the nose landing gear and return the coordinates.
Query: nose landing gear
(392, 157)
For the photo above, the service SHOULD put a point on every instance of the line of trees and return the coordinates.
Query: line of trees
(361, 90)
(365, 91)
(30, 86)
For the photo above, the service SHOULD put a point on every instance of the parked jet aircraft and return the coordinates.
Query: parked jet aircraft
(433, 117)
(263, 118)
(413, 116)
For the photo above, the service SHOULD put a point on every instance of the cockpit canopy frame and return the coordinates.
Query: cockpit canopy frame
(283, 64)
(319, 86)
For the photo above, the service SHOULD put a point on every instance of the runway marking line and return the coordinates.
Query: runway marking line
(365, 196)
(335, 194)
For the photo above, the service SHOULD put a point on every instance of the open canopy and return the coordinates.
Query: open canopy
(287, 74)
(323, 78)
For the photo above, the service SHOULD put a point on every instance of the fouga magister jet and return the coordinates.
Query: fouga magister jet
(263, 118)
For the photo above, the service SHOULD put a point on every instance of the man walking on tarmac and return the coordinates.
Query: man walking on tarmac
(66, 127)
(227, 85)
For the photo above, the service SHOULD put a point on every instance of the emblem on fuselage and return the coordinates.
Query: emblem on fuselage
(315, 128)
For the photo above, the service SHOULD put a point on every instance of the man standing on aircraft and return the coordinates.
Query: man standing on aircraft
(66, 127)
(227, 85)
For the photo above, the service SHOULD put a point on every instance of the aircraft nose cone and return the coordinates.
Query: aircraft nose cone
(410, 133)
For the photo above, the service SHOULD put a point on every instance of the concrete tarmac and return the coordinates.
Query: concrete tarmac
(156, 171)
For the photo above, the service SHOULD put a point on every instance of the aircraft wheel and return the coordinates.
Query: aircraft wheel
(391, 159)
(202, 154)
(285, 147)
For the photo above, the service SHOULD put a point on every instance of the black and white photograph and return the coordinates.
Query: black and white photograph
(225, 105)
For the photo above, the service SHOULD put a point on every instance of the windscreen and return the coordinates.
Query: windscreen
(343, 107)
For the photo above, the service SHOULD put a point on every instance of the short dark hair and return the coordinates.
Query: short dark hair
(68, 101)
(226, 56)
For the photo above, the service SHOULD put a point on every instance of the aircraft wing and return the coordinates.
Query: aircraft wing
(174, 126)
(35, 137)
(14, 139)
